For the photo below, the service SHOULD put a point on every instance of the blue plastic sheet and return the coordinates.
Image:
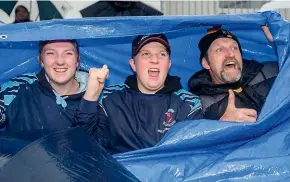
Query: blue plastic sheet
(204, 150)
(68, 155)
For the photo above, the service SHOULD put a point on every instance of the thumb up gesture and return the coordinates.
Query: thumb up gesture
(238, 114)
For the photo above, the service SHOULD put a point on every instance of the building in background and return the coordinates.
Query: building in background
(44, 10)
(208, 7)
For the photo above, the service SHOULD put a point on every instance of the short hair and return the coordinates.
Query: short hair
(43, 43)
(20, 6)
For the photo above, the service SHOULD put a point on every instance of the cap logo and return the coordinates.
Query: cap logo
(144, 37)
(210, 31)
(227, 34)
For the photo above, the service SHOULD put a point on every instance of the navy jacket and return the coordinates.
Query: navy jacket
(126, 119)
(28, 102)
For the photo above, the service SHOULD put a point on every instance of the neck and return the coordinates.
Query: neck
(67, 89)
(147, 91)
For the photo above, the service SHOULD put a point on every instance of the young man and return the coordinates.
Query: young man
(47, 100)
(137, 114)
(230, 88)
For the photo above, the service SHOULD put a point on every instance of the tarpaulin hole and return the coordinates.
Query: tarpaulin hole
(3, 36)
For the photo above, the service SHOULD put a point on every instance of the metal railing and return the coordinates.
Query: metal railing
(209, 7)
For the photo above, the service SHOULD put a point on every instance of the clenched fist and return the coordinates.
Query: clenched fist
(96, 82)
(238, 114)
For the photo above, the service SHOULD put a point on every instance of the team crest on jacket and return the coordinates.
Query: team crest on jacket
(169, 121)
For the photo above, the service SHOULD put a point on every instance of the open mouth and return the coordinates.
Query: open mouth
(153, 72)
(60, 70)
(230, 65)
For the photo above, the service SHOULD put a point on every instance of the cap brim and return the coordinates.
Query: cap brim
(152, 39)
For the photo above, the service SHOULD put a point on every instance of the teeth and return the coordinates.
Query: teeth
(60, 69)
(230, 63)
(153, 69)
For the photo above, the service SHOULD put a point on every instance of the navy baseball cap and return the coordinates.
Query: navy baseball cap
(142, 40)
(212, 35)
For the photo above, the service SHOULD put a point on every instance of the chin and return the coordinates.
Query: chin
(61, 82)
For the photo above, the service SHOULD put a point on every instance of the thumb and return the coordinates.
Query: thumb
(231, 100)
(105, 67)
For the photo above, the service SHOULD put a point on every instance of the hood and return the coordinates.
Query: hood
(172, 84)
(80, 76)
(200, 83)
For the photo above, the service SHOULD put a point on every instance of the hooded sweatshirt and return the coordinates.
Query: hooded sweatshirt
(126, 119)
(28, 102)
(250, 91)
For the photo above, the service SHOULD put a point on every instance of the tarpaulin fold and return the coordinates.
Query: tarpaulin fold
(203, 150)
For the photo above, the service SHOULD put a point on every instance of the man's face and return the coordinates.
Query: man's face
(21, 14)
(224, 61)
(151, 65)
(60, 61)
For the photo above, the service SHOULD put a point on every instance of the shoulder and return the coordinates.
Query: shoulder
(269, 71)
(189, 100)
(110, 91)
(270, 68)
(16, 82)
(187, 96)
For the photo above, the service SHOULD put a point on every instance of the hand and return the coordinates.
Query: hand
(96, 83)
(238, 114)
(267, 33)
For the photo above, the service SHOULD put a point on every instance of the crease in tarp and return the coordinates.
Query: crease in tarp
(204, 150)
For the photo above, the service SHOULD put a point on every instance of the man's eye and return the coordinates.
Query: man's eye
(219, 50)
(235, 48)
(69, 53)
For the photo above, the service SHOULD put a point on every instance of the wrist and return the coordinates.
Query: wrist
(91, 96)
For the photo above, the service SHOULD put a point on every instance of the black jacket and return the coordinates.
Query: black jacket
(250, 91)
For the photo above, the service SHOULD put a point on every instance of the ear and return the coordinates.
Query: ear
(132, 64)
(78, 61)
(169, 64)
(40, 61)
(205, 64)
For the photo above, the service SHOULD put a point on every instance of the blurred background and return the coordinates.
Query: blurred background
(33, 10)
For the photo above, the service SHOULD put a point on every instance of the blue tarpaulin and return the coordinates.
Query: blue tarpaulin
(66, 155)
(204, 150)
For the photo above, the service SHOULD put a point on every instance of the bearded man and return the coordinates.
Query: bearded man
(230, 88)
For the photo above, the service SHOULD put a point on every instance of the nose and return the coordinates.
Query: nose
(60, 60)
(154, 59)
(230, 53)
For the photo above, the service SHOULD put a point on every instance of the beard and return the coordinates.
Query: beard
(231, 78)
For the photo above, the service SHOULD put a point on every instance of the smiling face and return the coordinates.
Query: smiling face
(223, 61)
(60, 61)
(151, 65)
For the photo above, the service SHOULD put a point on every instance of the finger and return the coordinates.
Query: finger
(104, 67)
(250, 112)
(249, 119)
(231, 99)
(242, 118)
(107, 74)
(93, 72)
(267, 33)
(102, 77)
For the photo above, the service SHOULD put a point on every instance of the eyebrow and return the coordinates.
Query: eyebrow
(51, 49)
(163, 50)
